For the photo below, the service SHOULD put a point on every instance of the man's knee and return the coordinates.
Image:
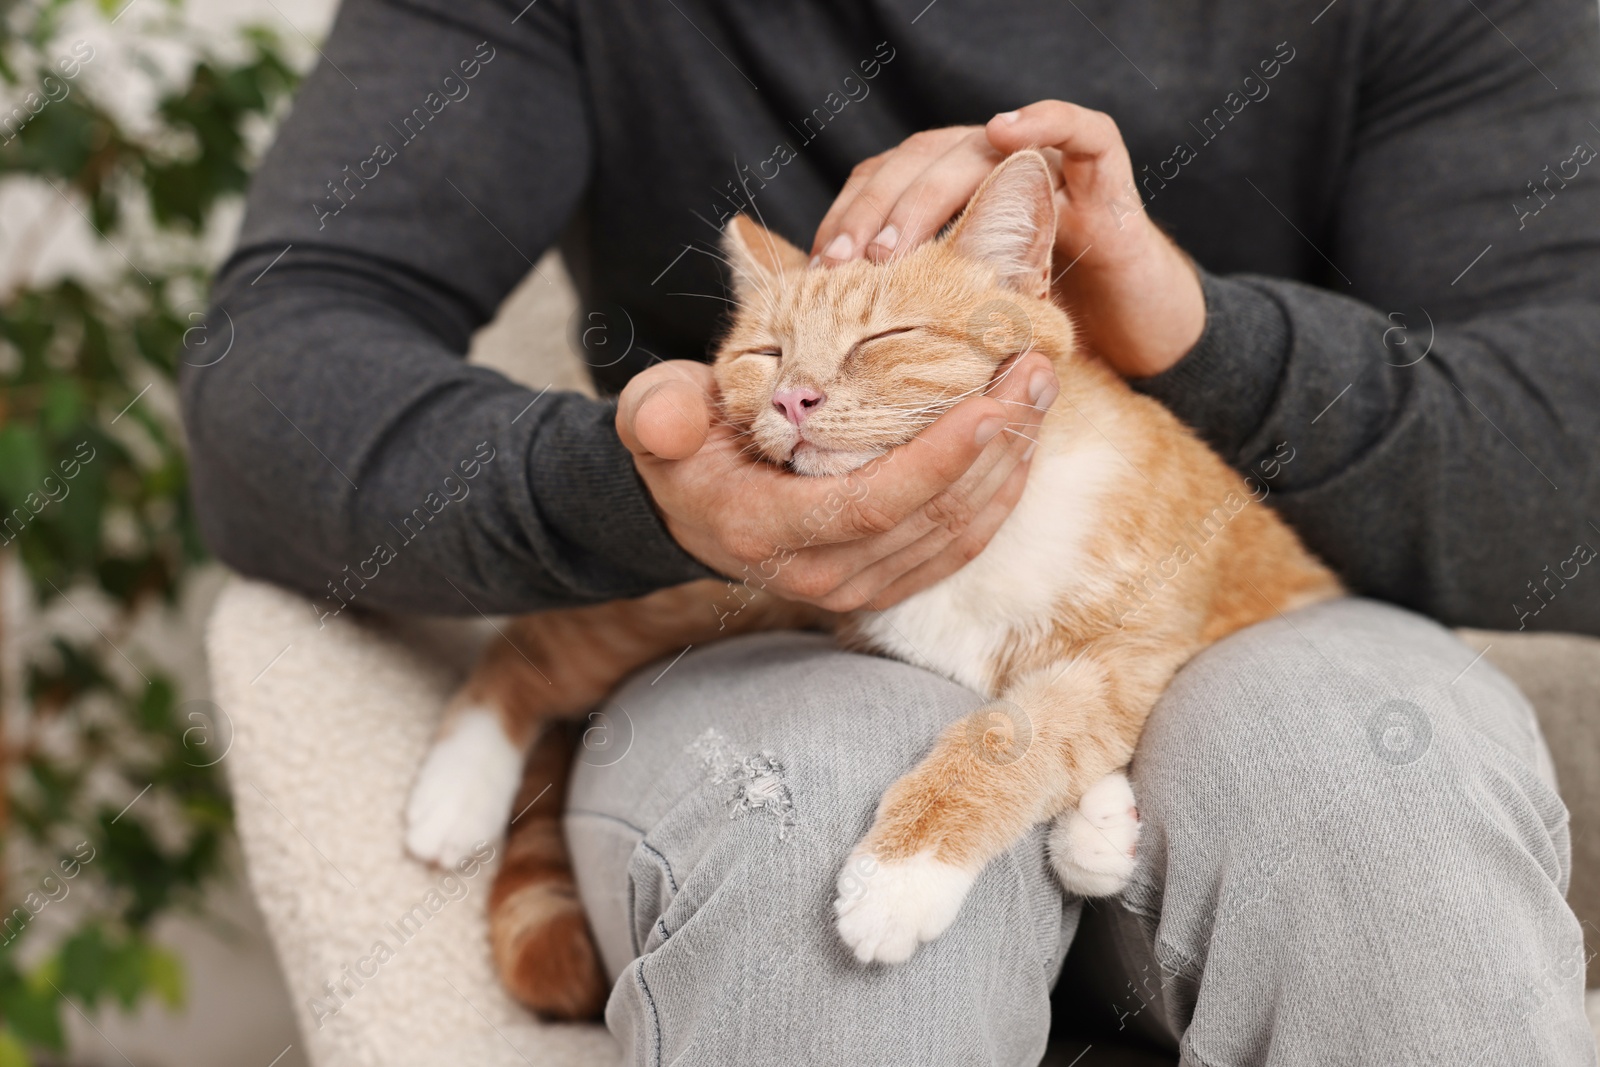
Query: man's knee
(750, 768)
(1344, 785)
(1342, 722)
(778, 729)
(755, 768)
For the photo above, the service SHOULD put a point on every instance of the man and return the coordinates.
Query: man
(1353, 848)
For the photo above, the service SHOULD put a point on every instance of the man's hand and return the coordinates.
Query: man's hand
(1135, 297)
(867, 539)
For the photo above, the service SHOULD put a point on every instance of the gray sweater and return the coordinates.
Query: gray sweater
(1396, 206)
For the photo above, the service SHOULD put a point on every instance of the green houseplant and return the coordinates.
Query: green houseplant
(113, 811)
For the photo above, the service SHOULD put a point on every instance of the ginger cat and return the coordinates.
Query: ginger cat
(1132, 547)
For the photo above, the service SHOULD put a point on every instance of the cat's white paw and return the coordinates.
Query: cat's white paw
(887, 908)
(1092, 847)
(464, 792)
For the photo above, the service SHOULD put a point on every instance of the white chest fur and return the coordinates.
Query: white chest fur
(958, 627)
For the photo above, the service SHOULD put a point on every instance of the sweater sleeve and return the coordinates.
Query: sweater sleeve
(1438, 393)
(341, 446)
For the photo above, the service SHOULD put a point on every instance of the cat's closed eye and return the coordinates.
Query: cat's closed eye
(888, 333)
(880, 335)
(856, 348)
(768, 353)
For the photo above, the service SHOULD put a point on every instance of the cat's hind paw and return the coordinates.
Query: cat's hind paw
(1092, 847)
(464, 792)
(886, 908)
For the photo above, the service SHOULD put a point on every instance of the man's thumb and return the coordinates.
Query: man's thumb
(665, 411)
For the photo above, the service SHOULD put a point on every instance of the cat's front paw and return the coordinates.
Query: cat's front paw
(887, 908)
(1092, 847)
(464, 792)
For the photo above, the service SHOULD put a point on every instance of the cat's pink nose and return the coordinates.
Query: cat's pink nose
(796, 404)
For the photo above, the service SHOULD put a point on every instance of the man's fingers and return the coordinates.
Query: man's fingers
(1027, 386)
(1075, 131)
(934, 197)
(875, 561)
(665, 411)
(960, 550)
(910, 476)
(993, 475)
(845, 237)
(673, 420)
(974, 506)
(1021, 381)
(874, 189)
(828, 229)
(991, 500)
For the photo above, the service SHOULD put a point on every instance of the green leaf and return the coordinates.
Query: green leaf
(126, 974)
(12, 1054)
(85, 965)
(132, 861)
(63, 406)
(164, 974)
(22, 463)
(156, 704)
(78, 517)
(32, 1012)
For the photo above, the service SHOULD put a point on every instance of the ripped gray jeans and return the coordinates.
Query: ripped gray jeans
(1353, 853)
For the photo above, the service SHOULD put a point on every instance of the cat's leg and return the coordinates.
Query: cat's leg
(1092, 847)
(468, 780)
(991, 777)
(557, 665)
(539, 668)
(463, 793)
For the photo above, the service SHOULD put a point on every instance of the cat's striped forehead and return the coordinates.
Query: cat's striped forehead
(826, 310)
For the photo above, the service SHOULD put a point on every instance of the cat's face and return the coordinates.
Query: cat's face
(826, 368)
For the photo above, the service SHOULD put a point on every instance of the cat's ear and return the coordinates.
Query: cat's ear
(1010, 223)
(756, 255)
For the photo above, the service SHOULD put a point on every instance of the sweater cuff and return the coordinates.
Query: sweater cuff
(1226, 383)
(598, 510)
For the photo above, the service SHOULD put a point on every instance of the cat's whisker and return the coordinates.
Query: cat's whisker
(947, 402)
(921, 405)
(944, 399)
(1019, 433)
(766, 234)
(904, 248)
(757, 283)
